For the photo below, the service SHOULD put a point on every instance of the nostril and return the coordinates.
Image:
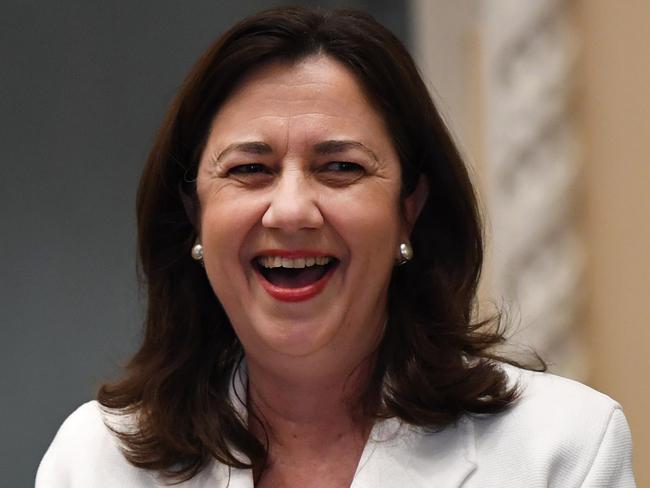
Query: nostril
(293, 215)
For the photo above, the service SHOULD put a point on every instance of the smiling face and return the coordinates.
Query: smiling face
(300, 219)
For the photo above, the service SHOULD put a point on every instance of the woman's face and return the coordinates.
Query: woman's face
(299, 189)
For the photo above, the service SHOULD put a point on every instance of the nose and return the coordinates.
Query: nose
(293, 204)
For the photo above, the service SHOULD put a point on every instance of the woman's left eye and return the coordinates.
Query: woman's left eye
(341, 173)
(343, 166)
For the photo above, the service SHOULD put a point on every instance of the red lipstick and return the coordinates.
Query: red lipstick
(286, 294)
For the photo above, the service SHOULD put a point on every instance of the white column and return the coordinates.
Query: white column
(532, 155)
(501, 72)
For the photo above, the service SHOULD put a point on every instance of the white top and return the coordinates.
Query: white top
(560, 434)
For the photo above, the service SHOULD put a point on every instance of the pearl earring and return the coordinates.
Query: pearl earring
(197, 252)
(405, 253)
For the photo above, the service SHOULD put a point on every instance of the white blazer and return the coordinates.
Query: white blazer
(560, 434)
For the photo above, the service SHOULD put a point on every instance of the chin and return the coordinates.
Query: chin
(295, 337)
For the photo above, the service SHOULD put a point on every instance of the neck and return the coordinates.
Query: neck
(302, 415)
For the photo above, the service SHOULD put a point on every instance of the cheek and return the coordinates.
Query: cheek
(219, 252)
(225, 223)
(370, 224)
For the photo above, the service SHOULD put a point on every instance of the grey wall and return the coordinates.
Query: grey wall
(83, 86)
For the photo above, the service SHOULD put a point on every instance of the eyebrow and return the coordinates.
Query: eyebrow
(254, 147)
(322, 148)
(337, 146)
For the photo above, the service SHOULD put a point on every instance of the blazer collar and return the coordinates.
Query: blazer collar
(396, 454)
(220, 475)
(399, 455)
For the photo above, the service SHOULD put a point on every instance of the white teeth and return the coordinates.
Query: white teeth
(280, 262)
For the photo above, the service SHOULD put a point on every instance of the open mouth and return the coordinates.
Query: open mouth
(294, 273)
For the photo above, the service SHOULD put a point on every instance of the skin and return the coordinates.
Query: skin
(307, 360)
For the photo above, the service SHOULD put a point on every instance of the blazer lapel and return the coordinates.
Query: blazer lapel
(398, 455)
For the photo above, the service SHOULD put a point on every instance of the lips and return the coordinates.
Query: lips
(293, 276)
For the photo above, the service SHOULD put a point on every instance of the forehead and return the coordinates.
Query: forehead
(317, 89)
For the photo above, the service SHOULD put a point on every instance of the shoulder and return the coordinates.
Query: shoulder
(547, 399)
(85, 452)
(559, 430)
(85, 422)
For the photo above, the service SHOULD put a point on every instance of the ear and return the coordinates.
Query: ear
(414, 203)
(191, 205)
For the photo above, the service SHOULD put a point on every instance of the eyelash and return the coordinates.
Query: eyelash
(249, 168)
(344, 166)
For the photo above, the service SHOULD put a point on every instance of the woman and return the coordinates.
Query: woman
(311, 247)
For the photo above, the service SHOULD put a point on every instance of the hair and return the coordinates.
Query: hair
(434, 364)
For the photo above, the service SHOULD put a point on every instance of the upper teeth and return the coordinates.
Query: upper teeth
(280, 262)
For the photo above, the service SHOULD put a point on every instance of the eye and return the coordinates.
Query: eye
(343, 166)
(251, 174)
(249, 168)
(340, 173)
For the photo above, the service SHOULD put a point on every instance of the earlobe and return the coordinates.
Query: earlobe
(414, 203)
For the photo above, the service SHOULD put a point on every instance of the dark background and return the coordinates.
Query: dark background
(83, 87)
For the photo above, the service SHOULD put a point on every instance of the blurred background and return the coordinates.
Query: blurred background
(549, 101)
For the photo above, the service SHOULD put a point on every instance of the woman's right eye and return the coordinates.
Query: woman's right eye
(249, 168)
(251, 174)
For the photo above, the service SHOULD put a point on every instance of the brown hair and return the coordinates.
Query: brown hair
(433, 364)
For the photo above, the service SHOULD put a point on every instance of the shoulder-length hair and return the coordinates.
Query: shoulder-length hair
(433, 365)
